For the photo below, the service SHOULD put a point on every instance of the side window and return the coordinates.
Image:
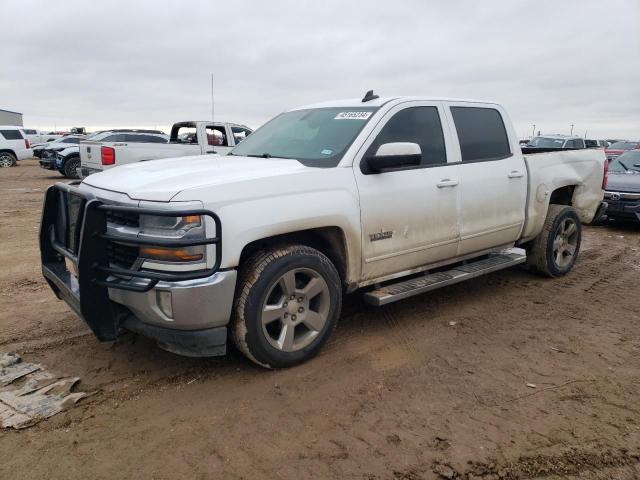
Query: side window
(419, 125)
(145, 139)
(71, 140)
(481, 133)
(117, 137)
(240, 133)
(216, 136)
(11, 134)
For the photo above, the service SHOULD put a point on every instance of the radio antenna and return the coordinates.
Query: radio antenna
(212, 101)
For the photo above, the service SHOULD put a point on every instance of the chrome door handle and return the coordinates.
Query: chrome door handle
(446, 182)
(516, 174)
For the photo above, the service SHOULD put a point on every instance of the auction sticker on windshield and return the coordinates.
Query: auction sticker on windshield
(353, 116)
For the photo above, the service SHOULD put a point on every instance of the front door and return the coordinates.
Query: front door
(409, 217)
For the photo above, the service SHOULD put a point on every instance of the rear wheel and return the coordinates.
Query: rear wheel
(7, 159)
(554, 251)
(70, 169)
(287, 304)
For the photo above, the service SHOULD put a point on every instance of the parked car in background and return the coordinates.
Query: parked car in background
(67, 161)
(36, 137)
(623, 189)
(187, 139)
(596, 143)
(59, 143)
(13, 146)
(618, 148)
(556, 141)
(394, 197)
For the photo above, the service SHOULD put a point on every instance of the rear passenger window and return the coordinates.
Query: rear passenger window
(481, 133)
(11, 134)
(419, 125)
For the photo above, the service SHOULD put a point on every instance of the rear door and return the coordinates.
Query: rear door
(409, 217)
(493, 180)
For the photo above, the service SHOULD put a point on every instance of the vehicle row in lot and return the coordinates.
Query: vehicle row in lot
(13, 146)
(562, 142)
(64, 157)
(616, 149)
(187, 139)
(390, 196)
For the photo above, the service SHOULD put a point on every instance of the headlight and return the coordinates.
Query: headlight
(189, 227)
(170, 226)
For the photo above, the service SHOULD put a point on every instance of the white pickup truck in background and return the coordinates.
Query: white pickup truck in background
(187, 139)
(392, 197)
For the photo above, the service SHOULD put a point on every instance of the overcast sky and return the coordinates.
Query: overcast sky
(148, 63)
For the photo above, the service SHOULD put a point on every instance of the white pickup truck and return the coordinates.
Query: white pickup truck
(187, 139)
(391, 197)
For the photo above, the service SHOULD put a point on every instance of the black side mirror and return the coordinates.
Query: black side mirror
(394, 156)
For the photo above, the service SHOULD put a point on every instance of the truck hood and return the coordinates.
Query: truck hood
(161, 180)
(624, 182)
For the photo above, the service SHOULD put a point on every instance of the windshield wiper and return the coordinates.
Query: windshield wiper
(264, 155)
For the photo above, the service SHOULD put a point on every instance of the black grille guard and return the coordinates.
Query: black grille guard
(74, 227)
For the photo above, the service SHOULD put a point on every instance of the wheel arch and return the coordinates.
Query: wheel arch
(562, 195)
(330, 240)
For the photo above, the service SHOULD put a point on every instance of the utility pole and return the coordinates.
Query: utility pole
(571, 129)
(533, 131)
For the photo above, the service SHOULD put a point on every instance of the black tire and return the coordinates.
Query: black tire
(70, 169)
(258, 276)
(8, 159)
(542, 252)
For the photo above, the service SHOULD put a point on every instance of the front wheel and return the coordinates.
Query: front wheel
(554, 251)
(70, 169)
(287, 303)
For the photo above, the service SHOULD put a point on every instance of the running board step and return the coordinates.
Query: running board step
(432, 281)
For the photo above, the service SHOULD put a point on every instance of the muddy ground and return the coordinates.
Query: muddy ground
(431, 387)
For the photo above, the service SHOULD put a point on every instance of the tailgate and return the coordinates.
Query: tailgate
(90, 155)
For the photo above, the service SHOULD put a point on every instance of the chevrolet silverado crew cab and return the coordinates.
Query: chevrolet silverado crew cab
(187, 138)
(389, 197)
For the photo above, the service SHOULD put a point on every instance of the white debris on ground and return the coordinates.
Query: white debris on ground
(30, 394)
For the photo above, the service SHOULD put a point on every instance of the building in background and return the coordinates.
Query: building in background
(7, 117)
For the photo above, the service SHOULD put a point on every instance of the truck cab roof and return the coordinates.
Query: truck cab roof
(380, 101)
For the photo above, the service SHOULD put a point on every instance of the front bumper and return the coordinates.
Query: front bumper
(623, 205)
(185, 312)
(48, 163)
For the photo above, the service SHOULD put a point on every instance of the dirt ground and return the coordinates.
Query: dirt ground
(432, 387)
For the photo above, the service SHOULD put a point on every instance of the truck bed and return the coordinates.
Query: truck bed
(579, 170)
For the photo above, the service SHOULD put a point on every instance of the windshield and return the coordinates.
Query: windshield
(627, 162)
(623, 146)
(315, 137)
(546, 142)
